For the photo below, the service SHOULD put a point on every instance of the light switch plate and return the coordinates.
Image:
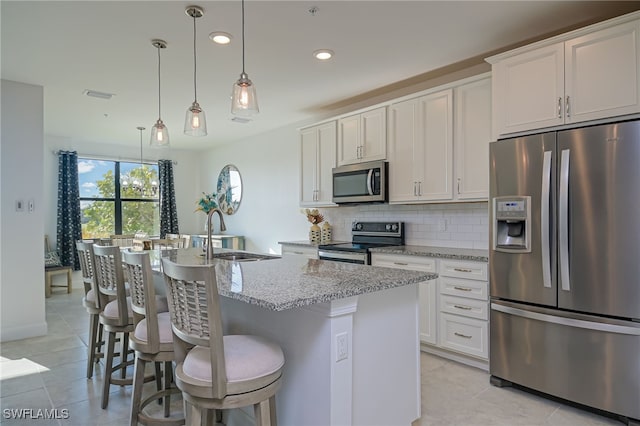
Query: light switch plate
(19, 205)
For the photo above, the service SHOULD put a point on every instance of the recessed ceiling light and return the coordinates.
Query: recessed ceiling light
(220, 37)
(323, 54)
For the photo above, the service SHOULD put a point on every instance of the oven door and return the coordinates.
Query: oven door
(361, 258)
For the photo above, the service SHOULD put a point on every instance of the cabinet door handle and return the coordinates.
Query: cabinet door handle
(560, 107)
(566, 107)
(361, 151)
(400, 263)
(415, 189)
(466, 308)
(462, 270)
(420, 188)
(462, 335)
(458, 186)
(462, 288)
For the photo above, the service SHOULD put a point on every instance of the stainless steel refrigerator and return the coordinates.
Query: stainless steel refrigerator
(565, 265)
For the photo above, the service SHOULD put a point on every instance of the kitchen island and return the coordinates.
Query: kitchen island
(349, 335)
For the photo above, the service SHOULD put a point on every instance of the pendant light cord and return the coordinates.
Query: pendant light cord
(159, 98)
(195, 90)
(243, 37)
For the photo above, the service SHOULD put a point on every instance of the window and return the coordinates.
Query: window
(118, 198)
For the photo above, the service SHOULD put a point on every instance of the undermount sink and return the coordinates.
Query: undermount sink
(237, 256)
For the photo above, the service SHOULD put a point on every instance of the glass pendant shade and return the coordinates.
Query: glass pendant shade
(195, 123)
(159, 134)
(244, 101)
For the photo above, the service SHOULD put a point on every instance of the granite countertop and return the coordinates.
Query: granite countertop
(307, 243)
(439, 252)
(295, 281)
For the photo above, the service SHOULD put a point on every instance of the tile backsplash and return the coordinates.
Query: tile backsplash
(461, 225)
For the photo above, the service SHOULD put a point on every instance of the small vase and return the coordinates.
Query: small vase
(315, 234)
(326, 233)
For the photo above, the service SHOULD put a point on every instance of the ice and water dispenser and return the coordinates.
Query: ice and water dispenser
(512, 226)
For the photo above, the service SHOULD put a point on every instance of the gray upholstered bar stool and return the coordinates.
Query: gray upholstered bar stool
(93, 303)
(152, 339)
(219, 372)
(116, 317)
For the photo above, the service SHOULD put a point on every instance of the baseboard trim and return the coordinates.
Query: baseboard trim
(8, 334)
(473, 362)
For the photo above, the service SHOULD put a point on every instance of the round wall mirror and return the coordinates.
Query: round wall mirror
(229, 189)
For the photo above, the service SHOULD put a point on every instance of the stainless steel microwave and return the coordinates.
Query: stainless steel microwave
(361, 183)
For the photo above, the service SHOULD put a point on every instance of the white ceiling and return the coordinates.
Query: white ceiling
(71, 46)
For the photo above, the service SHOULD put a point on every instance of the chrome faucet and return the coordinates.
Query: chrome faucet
(209, 229)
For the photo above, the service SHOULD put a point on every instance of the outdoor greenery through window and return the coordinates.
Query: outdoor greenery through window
(118, 198)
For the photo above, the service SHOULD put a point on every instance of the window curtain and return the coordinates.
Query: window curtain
(168, 212)
(69, 228)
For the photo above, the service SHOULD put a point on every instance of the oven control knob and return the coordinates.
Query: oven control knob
(394, 227)
(358, 227)
(388, 227)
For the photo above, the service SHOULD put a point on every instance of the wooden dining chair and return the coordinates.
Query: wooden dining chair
(152, 340)
(122, 240)
(53, 267)
(213, 371)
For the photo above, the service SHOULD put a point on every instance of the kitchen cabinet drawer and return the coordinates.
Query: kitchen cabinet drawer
(463, 269)
(403, 262)
(466, 307)
(466, 335)
(464, 288)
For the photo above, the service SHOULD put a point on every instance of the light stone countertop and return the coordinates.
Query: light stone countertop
(295, 281)
(307, 243)
(439, 252)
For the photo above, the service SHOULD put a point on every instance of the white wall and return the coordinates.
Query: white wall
(22, 312)
(270, 168)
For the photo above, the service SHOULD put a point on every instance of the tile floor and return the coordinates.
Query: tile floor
(49, 372)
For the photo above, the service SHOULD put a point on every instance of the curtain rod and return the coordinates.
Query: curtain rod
(98, 157)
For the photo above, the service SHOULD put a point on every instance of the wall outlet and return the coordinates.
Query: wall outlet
(31, 205)
(342, 346)
(442, 225)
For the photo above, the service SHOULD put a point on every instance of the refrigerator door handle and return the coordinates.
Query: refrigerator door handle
(570, 322)
(544, 219)
(563, 220)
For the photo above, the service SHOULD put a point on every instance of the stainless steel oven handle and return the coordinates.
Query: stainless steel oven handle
(370, 181)
(342, 255)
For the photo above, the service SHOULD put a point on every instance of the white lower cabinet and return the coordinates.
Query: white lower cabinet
(454, 309)
(427, 290)
(299, 250)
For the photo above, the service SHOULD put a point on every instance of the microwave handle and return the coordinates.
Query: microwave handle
(370, 181)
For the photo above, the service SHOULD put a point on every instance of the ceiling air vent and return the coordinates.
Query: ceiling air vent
(241, 120)
(96, 94)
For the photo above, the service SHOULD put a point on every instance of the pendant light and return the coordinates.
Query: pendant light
(159, 132)
(244, 101)
(195, 123)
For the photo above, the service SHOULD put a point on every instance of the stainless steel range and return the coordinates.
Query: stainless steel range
(364, 236)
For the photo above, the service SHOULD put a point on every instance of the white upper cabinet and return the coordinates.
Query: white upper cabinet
(317, 158)
(420, 148)
(362, 137)
(438, 147)
(472, 134)
(588, 74)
